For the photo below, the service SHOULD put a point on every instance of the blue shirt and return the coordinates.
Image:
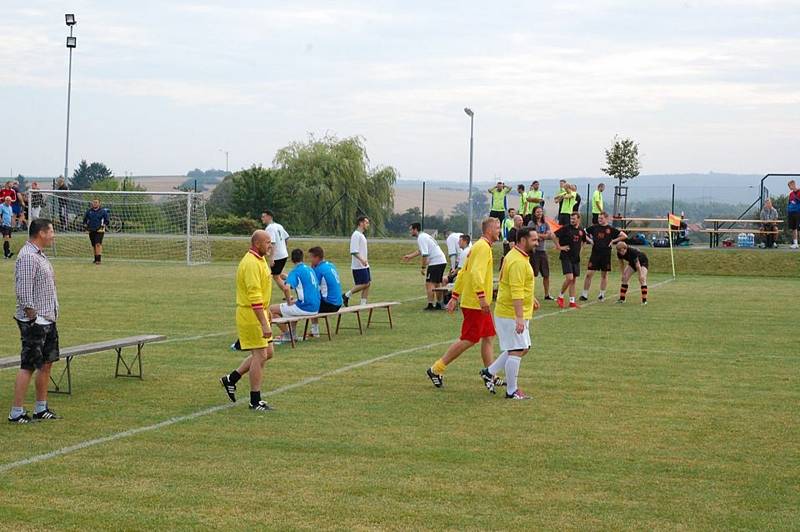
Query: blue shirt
(304, 282)
(94, 219)
(329, 286)
(7, 214)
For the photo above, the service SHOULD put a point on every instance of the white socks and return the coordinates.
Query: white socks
(315, 329)
(499, 364)
(602, 293)
(572, 299)
(363, 300)
(512, 370)
(347, 294)
(585, 293)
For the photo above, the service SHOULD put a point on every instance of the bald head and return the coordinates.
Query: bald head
(261, 241)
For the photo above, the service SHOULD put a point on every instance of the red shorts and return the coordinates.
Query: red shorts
(477, 324)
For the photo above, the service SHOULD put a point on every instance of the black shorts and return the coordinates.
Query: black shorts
(325, 307)
(563, 218)
(362, 276)
(600, 261)
(526, 219)
(5, 230)
(435, 273)
(794, 221)
(39, 344)
(569, 265)
(277, 266)
(500, 215)
(96, 237)
(540, 263)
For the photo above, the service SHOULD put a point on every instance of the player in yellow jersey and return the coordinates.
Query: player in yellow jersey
(474, 288)
(512, 314)
(253, 291)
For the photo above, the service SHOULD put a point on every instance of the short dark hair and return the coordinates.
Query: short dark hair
(416, 225)
(362, 218)
(297, 255)
(524, 232)
(268, 213)
(38, 225)
(316, 251)
(466, 238)
(536, 182)
(521, 187)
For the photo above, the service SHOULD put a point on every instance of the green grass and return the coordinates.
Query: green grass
(682, 414)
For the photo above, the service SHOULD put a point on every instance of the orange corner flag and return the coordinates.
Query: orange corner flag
(674, 221)
(553, 224)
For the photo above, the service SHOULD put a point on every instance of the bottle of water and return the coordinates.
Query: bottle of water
(751, 240)
(740, 240)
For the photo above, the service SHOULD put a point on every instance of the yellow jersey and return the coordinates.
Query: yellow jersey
(475, 277)
(568, 202)
(597, 202)
(516, 282)
(523, 203)
(253, 282)
(531, 205)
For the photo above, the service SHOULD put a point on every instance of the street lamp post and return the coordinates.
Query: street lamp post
(471, 116)
(72, 42)
(226, 159)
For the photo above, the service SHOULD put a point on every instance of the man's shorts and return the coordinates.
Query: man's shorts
(362, 276)
(435, 273)
(794, 221)
(563, 218)
(248, 329)
(540, 263)
(476, 325)
(277, 266)
(324, 307)
(570, 266)
(595, 217)
(500, 215)
(16, 208)
(507, 335)
(39, 344)
(600, 261)
(96, 237)
(293, 311)
(5, 230)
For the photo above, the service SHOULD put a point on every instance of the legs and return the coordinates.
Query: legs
(41, 382)
(363, 288)
(626, 275)
(546, 285)
(587, 284)
(254, 365)
(7, 244)
(512, 370)
(643, 282)
(21, 387)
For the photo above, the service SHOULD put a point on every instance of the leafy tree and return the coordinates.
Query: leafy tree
(111, 184)
(256, 189)
(622, 163)
(86, 174)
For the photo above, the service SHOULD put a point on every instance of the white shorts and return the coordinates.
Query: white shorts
(292, 311)
(507, 335)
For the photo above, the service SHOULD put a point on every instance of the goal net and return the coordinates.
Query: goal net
(161, 226)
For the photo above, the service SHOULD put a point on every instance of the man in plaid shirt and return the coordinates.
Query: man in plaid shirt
(37, 311)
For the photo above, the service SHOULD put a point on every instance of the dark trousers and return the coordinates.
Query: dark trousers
(500, 215)
(769, 238)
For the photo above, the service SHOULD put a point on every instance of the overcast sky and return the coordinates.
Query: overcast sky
(160, 86)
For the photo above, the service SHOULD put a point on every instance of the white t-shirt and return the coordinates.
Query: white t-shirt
(452, 248)
(462, 255)
(358, 244)
(430, 249)
(279, 236)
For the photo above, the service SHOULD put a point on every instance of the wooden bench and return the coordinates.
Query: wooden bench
(117, 345)
(354, 309)
(718, 229)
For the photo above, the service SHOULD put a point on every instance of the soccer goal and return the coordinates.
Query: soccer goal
(158, 226)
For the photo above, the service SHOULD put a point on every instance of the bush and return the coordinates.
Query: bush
(232, 225)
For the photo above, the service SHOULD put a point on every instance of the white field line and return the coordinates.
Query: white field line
(211, 410)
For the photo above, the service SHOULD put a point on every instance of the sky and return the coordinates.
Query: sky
(160, 87)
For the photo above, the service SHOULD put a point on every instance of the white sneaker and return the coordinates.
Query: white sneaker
(793, 246)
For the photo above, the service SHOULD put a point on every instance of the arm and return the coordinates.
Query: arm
(408, 256)
(622, 236)
(86, 219)
(106, 218)
(256, 298)
(478, 270)
(516, 281)
(360, 259)
(25, 272)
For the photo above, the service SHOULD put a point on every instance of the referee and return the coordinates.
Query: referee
(95, 221)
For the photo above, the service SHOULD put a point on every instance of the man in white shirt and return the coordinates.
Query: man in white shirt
(453, 248)
(280, 253)
(359, 264)
(464, 246)
(433, 264)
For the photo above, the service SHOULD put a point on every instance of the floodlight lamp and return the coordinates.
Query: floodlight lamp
(469, 112)
(72, 42)
(70, 19)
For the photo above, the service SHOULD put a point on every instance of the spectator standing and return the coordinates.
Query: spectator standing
(566, 200)
(19, 207)
(793, 211)
(539, 259)
(95, 221)
(499, 194)
(523, 200)
(35, 203)
(6, 219)
(535, 199)
(768, 215)
(597, 203)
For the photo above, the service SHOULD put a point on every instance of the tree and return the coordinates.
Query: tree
(256, 189)
(111, 184)
(86, 174)
(622, 163)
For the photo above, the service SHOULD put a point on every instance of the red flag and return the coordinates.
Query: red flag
(553, 224)
(674, 221)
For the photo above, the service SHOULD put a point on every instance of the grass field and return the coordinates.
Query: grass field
(682, 414)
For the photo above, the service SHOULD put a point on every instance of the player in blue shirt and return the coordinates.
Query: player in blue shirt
(304, 281)
(6, 219)
(330, 287)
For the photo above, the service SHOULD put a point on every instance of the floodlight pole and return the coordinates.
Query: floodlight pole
(226, 159)
(69, 101)
(471, 116)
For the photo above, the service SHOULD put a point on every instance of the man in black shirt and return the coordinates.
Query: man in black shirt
(570, 237)
(636, 262)
(603, 237)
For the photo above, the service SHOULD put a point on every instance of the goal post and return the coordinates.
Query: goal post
(157, 226)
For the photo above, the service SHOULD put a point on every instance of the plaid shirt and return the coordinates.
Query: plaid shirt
(35, 283)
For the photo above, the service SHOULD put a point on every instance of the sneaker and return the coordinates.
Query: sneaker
(620, 301)
(560, 302)
(236, 346)
(437, 380)
(488, 380)
(518, 395)
(438, 307)
(345, 300)
(644, 302)
(574, 305)
(548, 298)
(429, 307)
(22, 418)
(601, 298)
(46, 414)
(499, 382)
(261, 406)
(583, 298)
(793, 246)
(230, 388)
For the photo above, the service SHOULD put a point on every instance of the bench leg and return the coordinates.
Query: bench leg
(328, 328)
(137, 360)
(291, 335)
(305, 331)
(389, 312)
(358, 317)
(338, 322)
(57, 384)
(369, 318)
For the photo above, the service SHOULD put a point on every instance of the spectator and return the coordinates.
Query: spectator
(539, 260)
(95, 222)
(499, 193)
(63, 217)
(280, 252)
(793, 211)
(535, 199)
(508, 223)
(18, 207)
(566, 198)
(36, 202)
(304, 281)
(597, 203)
(464, 246)
(6, 219)
(578, 199)
(768, 214)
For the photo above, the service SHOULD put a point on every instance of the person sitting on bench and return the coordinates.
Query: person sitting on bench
(330, 288)
(304, 282)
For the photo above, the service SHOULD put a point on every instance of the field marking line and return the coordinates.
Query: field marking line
(211, 410)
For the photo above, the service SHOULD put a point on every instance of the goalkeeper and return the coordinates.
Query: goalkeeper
(96, 221)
